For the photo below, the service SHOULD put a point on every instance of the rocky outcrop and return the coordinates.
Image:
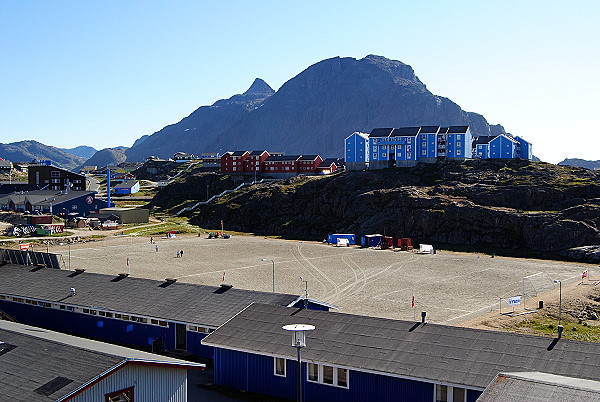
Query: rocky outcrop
(533, 208)
(313, 112)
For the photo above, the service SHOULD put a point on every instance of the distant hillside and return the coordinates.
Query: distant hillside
(81, 151)
(580, 163)
(107, 156)
(313, 112)
(26, 151)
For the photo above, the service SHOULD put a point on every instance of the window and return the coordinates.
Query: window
(458, 144)
(279, 366)
(383, 155)
(458, 152)
(55, 180)
(424, 152)
(55, 173)
(124, 395)
(424, 145)
(329, 375)
(447, 393)
(77, 181)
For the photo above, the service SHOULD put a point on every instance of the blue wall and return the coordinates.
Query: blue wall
(502, 147)
(102, 328)
(254, 373)
(356, 149)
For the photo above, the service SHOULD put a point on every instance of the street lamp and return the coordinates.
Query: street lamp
(559, 300)
(299, 341)
(273, 261)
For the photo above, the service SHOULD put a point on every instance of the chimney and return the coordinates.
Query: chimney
(560, 331)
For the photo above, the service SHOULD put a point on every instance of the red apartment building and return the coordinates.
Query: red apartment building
(308, 164)
(233, 162)
(254, 161)
(276, 164)
(54, 178)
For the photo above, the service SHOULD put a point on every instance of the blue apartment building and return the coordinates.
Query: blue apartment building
(356, 150)
(407, 146)
(502, 146)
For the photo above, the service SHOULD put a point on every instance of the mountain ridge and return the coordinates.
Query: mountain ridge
(312, 112)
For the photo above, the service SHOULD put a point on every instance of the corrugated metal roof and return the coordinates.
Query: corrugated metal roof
(540, 387)
(454, 355)
(184, 302)
(44, 365)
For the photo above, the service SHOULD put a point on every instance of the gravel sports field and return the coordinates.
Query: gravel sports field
(451, 287)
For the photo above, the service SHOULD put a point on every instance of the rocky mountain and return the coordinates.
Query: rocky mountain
(517, 207)
(26, 151)
(313, 112)
(580, 163)
(81, 151)
(107, 156)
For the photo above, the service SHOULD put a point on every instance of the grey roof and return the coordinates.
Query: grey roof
(126, 184)
(443, 130)
(381, 132)
(309, 157)
(282, 158)
(238, 153)
(454, 355)
(183, 302)
(44, 197)
(540, 387)
(429, 129)
(257, 153)
(42, 365)
(406, 131)
(329, 161)
(483, 139)
(457, 129)
(5, 163)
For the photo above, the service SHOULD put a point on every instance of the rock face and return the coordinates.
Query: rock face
(26, 151)
(107, 156)
(537, 209)
(313, 112)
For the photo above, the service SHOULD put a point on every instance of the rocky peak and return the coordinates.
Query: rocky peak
(259, 87)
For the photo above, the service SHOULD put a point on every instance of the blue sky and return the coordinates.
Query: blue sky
(104, 73)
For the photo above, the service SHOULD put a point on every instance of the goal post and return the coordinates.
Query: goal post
(536, 284)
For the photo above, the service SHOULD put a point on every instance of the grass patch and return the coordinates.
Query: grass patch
(548, 326)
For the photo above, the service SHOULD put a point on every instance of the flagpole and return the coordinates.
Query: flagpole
(414, 307)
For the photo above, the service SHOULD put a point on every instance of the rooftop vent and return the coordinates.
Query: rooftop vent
(80, 270)
(123, 275)
(170, 280)
(224, 287)
(423, 315)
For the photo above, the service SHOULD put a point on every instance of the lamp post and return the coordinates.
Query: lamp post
(273, 261)
(559, 300)
(299, 341)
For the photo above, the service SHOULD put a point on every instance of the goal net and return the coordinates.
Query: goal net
(534, 285)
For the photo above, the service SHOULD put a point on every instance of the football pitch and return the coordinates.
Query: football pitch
(451, 287)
